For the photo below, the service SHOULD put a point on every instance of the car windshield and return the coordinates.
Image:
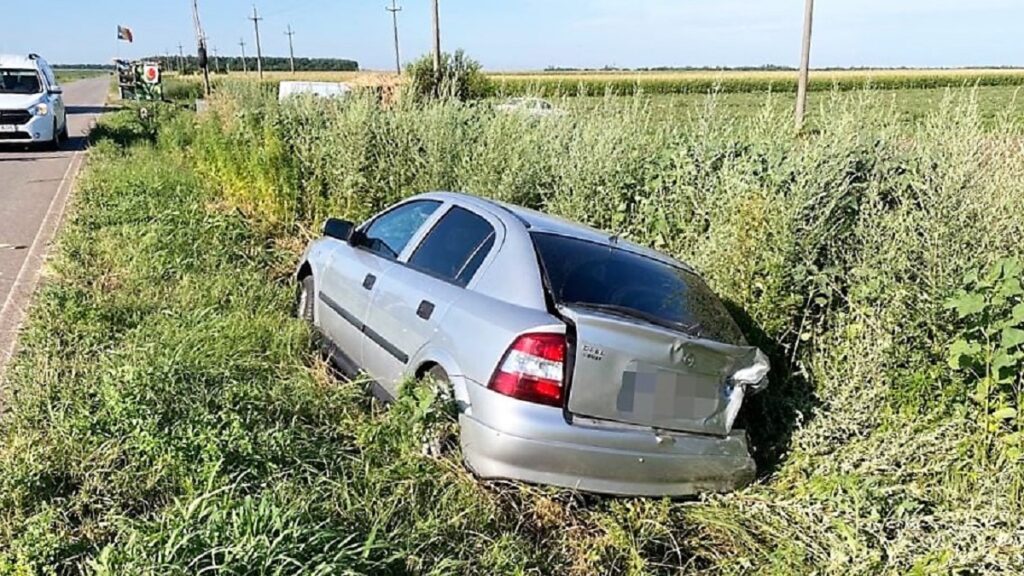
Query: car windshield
(19, 82)
(617, 281)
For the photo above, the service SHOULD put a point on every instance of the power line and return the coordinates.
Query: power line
(395, 9)
(291, 47)
(805, 65)
(259, 50)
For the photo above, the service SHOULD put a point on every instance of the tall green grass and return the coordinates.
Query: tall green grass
(167, 416)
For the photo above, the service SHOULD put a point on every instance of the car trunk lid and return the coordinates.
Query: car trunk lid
(633, 371)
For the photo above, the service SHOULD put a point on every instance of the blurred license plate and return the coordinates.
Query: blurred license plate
(8, 128)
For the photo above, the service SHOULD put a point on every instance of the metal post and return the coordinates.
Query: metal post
(805, 65)
(395, 9)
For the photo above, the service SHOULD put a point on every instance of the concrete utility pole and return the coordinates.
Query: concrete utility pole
(202, 56)
(395, 9)
(437, 39)
(216, 59)
(181, 59)
(805, 66)
(259, 50)
(291, 47)
(245, 63)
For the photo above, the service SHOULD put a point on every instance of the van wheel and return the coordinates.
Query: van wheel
(55, 143)
(304, 304)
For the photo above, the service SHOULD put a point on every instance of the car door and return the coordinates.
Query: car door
(414, 296)
(55, 93)
(356, 267)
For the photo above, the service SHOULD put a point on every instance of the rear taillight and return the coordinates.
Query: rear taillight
(532, 369)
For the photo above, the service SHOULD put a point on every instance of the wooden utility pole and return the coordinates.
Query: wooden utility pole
(259, 50)
(216, 59)
(805, 66)
(245, 63)
(291, 47)
(181, 59)
(437, 39)
(203, 57)
(395, 9)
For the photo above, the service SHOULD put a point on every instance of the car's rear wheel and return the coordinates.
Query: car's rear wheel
(441, 436)
(304, 304)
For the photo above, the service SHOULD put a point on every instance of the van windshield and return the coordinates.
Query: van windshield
(20, 82)
(624, 283)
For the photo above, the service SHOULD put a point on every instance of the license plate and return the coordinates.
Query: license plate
(8, 128)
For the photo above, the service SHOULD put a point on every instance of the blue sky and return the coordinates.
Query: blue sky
(532, 34)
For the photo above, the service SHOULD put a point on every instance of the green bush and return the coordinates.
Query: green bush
(460, 78)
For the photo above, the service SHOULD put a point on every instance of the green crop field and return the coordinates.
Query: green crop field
(72, 74)
(168, 416)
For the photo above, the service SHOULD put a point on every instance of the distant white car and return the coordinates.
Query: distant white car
(31, 102)
(530, 107)
(320, 89)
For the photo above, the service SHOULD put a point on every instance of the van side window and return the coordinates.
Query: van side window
(456, 247)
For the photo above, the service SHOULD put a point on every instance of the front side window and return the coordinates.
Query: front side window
(618, 281)
(456, 247)
(20, 82)
(391, 232)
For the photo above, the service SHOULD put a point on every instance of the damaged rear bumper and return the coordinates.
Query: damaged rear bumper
(514, 440)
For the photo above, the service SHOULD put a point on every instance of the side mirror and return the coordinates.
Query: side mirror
(339, 229)
(56, 90)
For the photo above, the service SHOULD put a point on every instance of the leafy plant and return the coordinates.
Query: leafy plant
(460, 78)
(990, 346)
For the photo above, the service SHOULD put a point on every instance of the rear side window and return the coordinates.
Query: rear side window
(456, 247)
(391, 232)
(588, 274)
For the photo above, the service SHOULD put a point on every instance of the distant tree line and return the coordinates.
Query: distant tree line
(763, 68)
(270, 63)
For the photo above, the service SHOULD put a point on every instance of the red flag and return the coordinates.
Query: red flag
(125, 33)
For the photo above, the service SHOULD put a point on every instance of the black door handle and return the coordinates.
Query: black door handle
(369, 281)
(425, 310)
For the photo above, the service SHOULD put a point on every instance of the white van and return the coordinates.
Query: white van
(321, 89)
(31, 102)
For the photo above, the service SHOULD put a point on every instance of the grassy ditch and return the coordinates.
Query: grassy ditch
(169, 416)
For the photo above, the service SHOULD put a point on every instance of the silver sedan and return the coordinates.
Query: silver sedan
(577, 359)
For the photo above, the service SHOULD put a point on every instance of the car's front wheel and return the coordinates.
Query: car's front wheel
(304, 304)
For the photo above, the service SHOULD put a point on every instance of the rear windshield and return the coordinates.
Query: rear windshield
(19, 82)
(602, 277)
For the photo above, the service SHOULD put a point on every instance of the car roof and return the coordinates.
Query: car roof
(539, 222)
(19, 61)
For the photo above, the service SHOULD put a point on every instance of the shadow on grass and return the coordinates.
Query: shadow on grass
(772, 416)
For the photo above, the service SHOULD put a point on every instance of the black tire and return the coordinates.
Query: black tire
(304, 301)
(64, 131)
(54, 144)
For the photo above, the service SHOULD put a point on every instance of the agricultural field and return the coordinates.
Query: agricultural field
(169, 416)
(71, 74)
(729, 81)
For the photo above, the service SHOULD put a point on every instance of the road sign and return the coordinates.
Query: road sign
(151, 74)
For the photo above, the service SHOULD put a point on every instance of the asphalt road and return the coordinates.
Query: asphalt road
(34, 188)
